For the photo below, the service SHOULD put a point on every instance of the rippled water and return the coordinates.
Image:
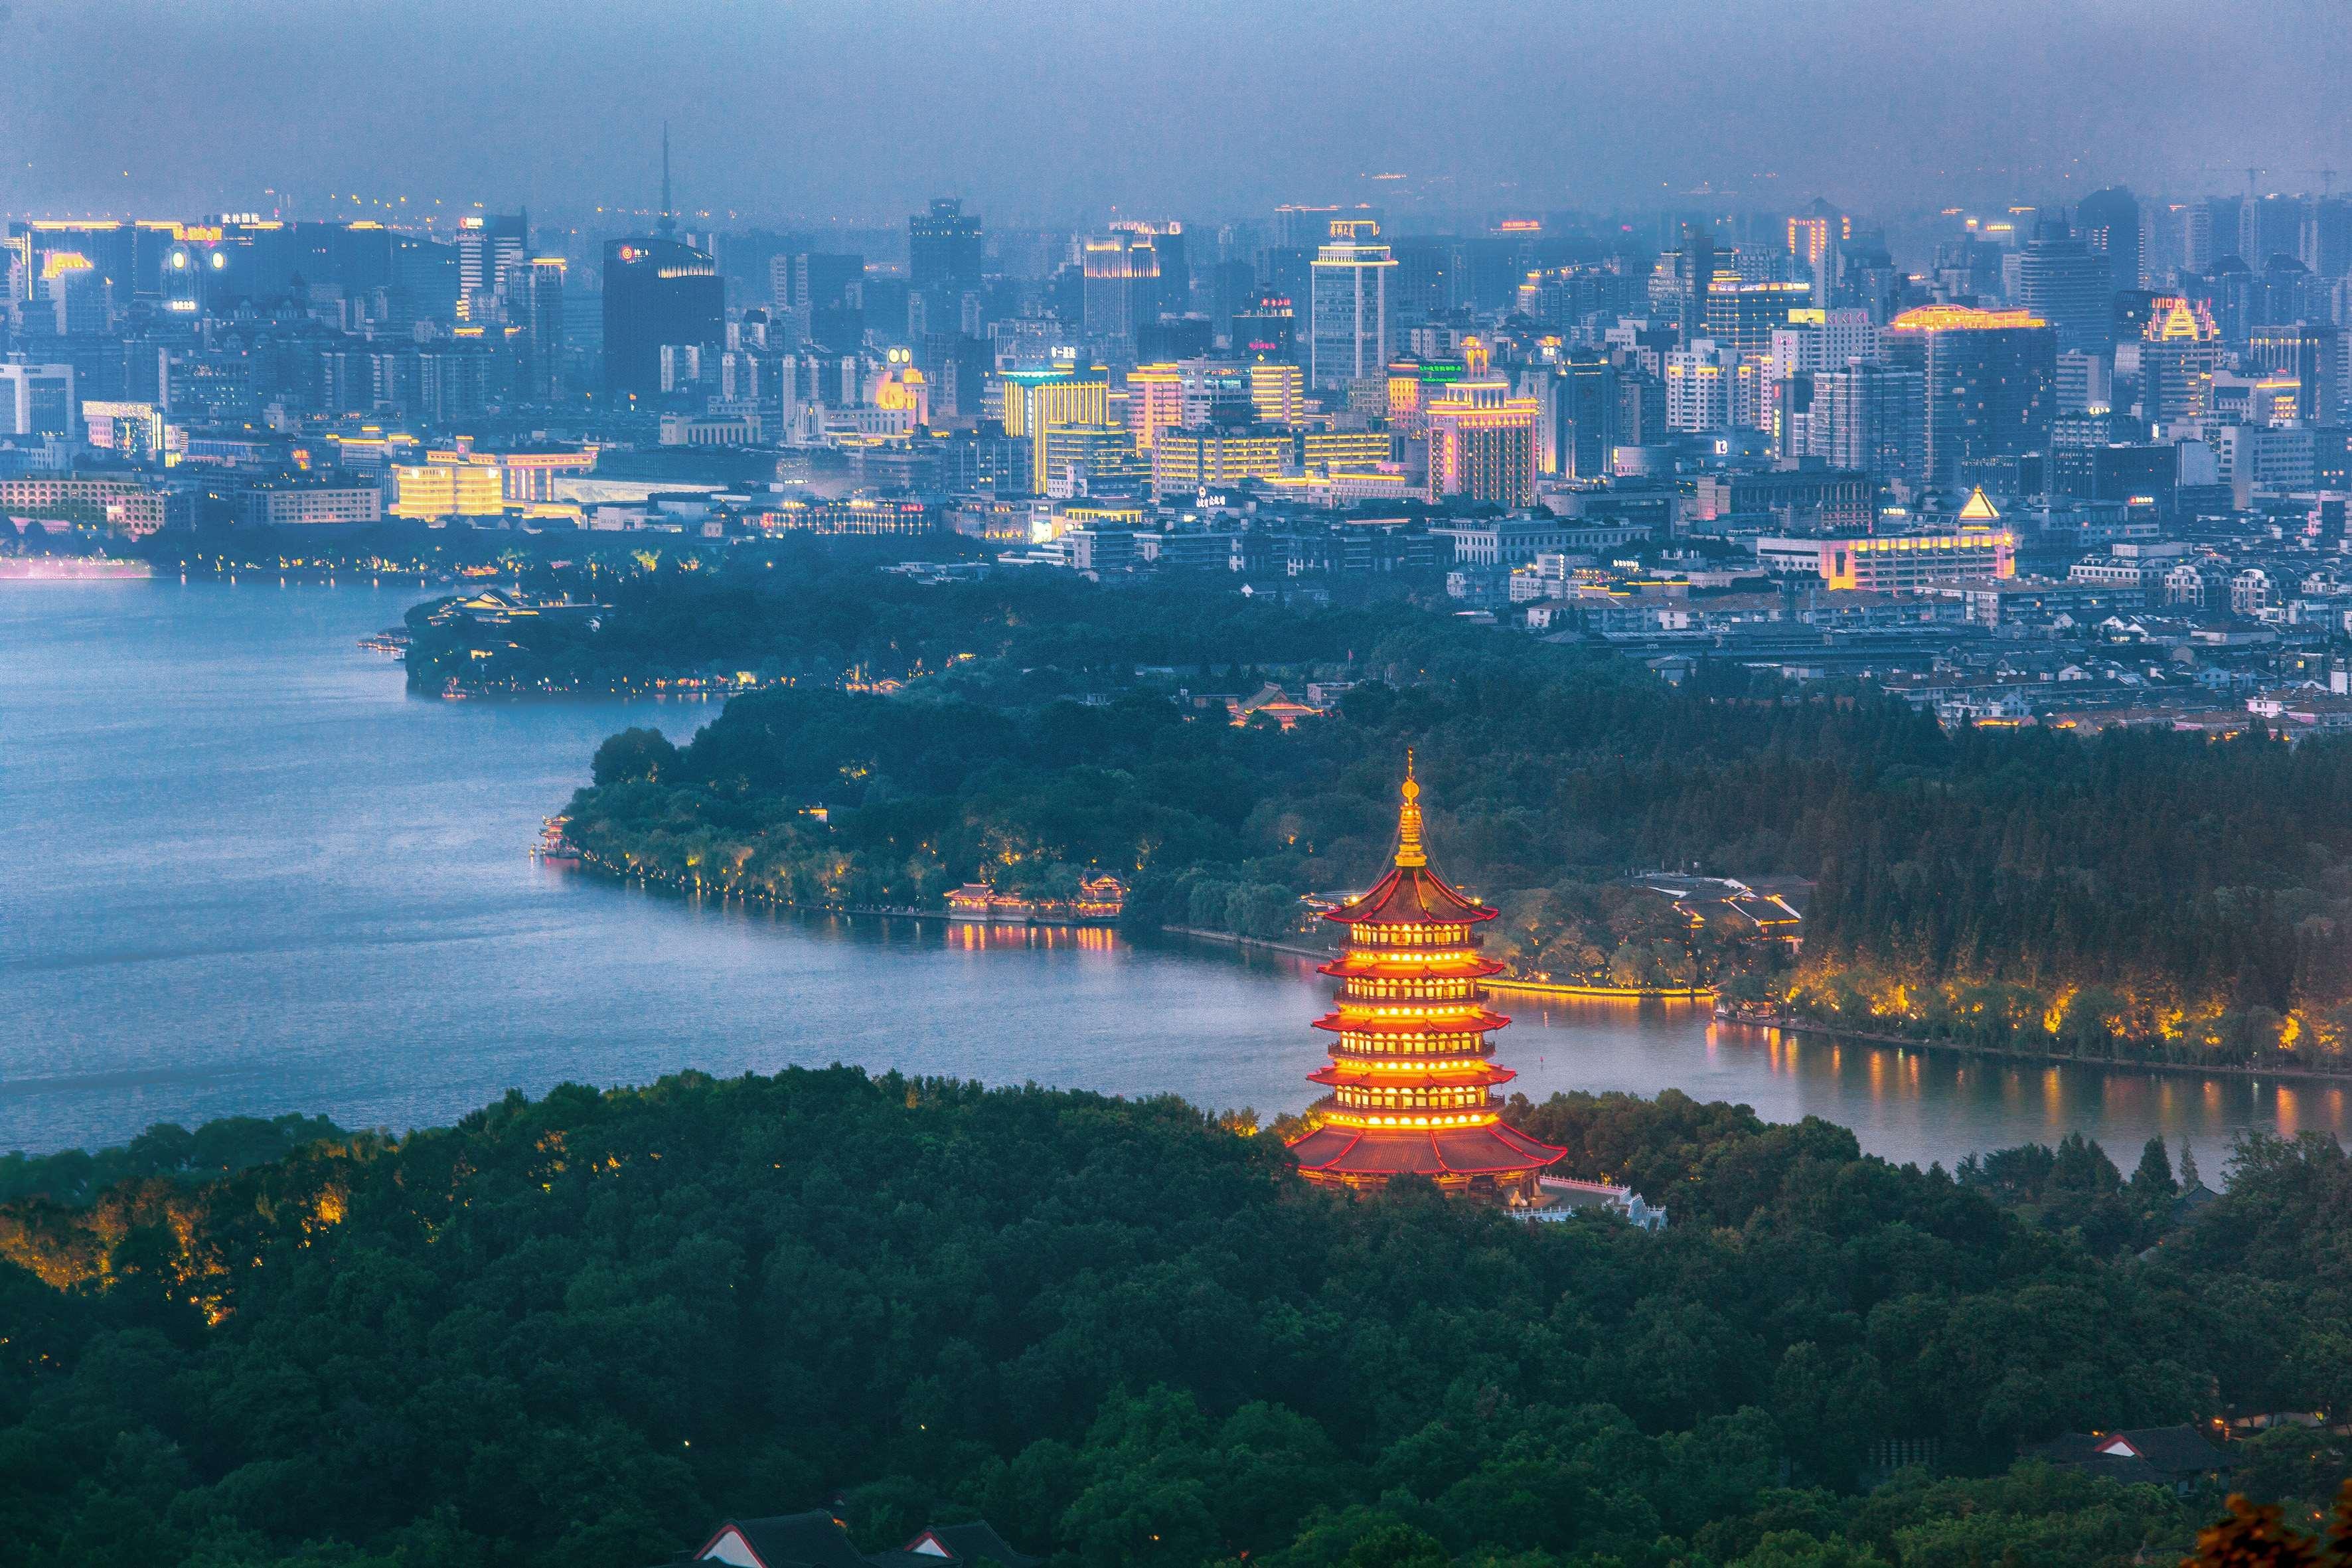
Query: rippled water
(241, 870)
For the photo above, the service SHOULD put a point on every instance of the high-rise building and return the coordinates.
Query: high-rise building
(1412, 1077)
(945, 251)
(1155, 402)
(1741, 317)
(2326, 247)
(1267, 328)
(1693, 271)
(1989, 382)
(1482, 436)
(1698, 389)
(2307, 355)
(489, 245)
(1583, 417)
(37, 400)
(1036, 401)
(540, 288)
(1869, 417)
(2270, 226)
(1349, 339)
(659, 292)
(2069, 285)
(2109, 222)
(2180, 350)
(1121, 274)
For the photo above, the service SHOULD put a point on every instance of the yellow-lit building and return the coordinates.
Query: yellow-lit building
(1185, 459)
(1277, 392)
(1037, 400)
(1979, 548)
(1103, 451)
(1155, 401)
(1482, 439)
(449, 484)
(1329, 449)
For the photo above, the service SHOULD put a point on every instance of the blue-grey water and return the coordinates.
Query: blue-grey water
(242, 871)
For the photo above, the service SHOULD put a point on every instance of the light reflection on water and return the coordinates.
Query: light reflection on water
(243, 872)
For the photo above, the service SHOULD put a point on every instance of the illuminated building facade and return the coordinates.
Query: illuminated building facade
(1277, 392)
(1155, 401)
(1121, 285)
(448, 485)
(1412, 1075)
(1989, 382)
(1079, 457)
(1348, 336)
(124, 504)
(1035, 401)
(1186, 459)
(1482, 439)
(1889, 562)
(2180, 350)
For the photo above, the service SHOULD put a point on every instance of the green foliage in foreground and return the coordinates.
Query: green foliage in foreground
(574, 1332)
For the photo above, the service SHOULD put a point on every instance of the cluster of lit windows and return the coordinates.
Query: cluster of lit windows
(1414, 1043)
(1410, 935)
(1457, 1118)
(1448, 988)
(1380, 1096)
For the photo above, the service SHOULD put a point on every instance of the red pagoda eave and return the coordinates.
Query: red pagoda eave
(1477, 1023)
(1364, 966)
(1407, 896)
(1484, 1075)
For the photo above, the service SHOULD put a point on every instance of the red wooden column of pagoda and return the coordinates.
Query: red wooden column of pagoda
(1412, 1075)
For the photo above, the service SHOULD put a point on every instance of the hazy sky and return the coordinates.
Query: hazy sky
(1200, 109)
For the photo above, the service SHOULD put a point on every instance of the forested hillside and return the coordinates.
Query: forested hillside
(574, 1332)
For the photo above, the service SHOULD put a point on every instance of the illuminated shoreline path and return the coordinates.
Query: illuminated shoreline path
(1412, 1075)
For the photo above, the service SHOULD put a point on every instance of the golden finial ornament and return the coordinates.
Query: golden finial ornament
(1409, 849)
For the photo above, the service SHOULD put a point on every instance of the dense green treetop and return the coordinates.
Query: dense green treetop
(578, 1330)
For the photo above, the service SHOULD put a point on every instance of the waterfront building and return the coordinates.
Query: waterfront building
(1412, 1075)
(136, 508)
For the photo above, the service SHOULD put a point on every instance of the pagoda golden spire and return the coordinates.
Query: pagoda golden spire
(1409, 849)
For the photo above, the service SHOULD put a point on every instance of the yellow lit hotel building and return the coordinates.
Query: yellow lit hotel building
(1979, 548)
(1037, 400)
(450, 484)
(1277, 392)
(1155, 401)
(1186, 459)
(1482, 439)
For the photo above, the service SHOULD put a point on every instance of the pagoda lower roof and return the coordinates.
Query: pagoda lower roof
(1410, 895)
(1380, 964)
(1477, 1023)
(1495, 1149)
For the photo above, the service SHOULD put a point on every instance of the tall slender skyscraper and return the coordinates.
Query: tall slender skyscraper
(1348, 338)
(1989, 382)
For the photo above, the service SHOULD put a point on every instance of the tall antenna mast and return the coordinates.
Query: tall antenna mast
(668, 223)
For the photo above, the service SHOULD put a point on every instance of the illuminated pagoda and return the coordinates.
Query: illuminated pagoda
(1412, 1075)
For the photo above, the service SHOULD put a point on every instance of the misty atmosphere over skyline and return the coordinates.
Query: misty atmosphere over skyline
(1050, 112)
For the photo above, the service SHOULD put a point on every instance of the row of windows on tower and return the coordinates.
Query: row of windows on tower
(1376, 1097)
(1414, 990)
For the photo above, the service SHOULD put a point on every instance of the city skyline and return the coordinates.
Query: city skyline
(863, 115)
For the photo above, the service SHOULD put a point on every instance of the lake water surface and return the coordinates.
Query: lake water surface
(243, 871)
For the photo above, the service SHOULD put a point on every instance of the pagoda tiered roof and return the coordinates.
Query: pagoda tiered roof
(1412, 1075)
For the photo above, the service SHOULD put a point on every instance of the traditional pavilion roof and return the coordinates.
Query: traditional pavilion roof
(1495, 1149)
(1411, 894)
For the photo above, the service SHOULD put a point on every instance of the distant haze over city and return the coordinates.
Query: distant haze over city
(1208, 109)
